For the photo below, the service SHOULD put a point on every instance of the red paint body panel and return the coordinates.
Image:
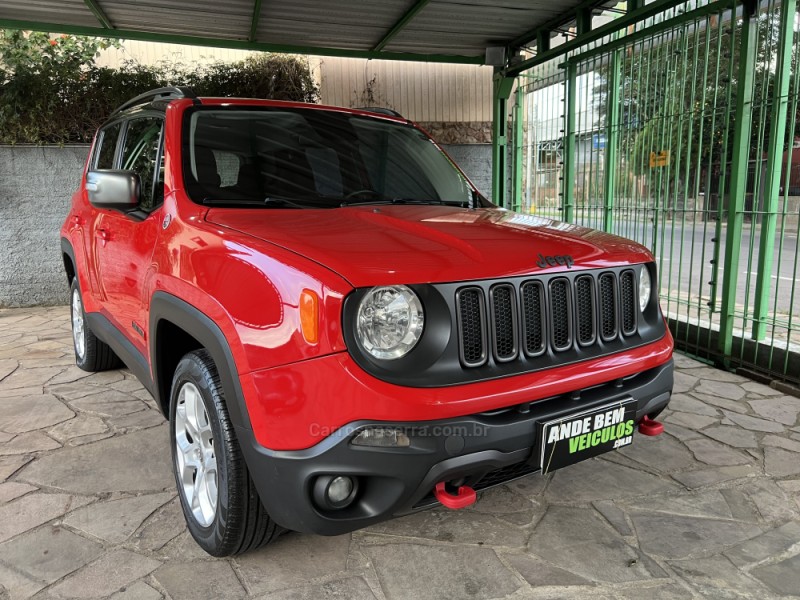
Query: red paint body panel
(379, 245)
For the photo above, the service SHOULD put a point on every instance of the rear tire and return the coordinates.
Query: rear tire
(91, 354)
(222, 508)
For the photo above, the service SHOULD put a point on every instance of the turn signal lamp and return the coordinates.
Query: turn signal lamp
(309, 316)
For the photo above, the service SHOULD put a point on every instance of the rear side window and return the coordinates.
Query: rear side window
(107, 146)
(142, 155)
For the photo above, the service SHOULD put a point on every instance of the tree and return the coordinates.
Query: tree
(52, 92)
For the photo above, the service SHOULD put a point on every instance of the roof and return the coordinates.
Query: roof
(428, 30)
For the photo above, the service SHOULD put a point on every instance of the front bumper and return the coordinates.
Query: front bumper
(482, 450)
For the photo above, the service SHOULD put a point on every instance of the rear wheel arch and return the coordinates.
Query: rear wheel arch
(177, 328)
(68, 256)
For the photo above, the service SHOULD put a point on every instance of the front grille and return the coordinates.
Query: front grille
(585, 305)
(508, 321)
(533, 317)
(504, 319)
(608, 306)
(561, 314)
(627, 283)
(471, 318)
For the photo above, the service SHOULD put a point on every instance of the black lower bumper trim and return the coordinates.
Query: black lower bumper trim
(480, 450)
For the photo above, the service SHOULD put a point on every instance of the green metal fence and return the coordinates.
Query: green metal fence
(682, 131)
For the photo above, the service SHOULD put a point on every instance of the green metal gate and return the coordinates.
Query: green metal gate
(682, 131)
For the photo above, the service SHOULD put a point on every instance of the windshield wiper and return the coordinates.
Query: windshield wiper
(392, 201)
(271, 201)
(278, 201)
(231, 202)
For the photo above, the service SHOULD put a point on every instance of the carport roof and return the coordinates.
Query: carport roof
(430, 30)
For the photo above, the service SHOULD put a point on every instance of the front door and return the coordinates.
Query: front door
(124, 243)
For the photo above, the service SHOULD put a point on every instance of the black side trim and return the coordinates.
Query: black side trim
(122, 347)
(166, 307)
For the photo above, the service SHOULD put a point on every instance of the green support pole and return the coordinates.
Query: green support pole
(518, 120)
(739, 169)
(542, 41)
(612, 138)
(254, 20)
(583, 21)
(568, 191)
(774, 158)
(502, 92)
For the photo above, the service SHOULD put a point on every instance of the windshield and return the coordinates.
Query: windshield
(298, 158)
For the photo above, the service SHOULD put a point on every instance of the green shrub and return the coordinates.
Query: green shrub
(51, 91)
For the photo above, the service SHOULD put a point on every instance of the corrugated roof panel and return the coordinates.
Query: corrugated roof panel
(357, 24)
(68, 12)
(491, 21)
(200, 17)
(347, 36)
(452, 27)
(469, 26)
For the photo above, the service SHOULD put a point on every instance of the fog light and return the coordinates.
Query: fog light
(382, 437)
(339, 490)
(335, 491)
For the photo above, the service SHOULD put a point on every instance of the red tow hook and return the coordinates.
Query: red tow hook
(466, 496)
(648, 426)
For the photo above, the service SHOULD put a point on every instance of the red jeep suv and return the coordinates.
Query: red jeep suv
(339, 327)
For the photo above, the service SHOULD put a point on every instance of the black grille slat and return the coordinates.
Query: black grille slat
(627, 292)
(504, 320)
(608, 306)
(561, 314)
(585, 309)
(533, 317)
(471, 319)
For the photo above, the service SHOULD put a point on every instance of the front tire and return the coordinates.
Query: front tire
(220, 503)
(91, 354)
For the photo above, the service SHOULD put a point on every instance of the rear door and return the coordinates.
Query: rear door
(124, 243)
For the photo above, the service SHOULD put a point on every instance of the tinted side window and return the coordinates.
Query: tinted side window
(107, 147)
(141, 154)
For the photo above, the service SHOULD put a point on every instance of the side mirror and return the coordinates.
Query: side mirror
(113, 189)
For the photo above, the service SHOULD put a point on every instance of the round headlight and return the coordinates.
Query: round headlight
(389, 322)
(645, 288)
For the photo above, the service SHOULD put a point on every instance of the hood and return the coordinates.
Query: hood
(391, 244)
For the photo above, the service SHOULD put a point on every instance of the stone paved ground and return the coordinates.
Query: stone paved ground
(88, 507)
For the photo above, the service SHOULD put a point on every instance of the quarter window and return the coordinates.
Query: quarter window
(107, 146)
(142, 155)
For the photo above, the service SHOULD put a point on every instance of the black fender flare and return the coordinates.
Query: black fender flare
(166, 307)
(66, 248)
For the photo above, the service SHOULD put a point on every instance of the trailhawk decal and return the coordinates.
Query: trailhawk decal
(576, 437)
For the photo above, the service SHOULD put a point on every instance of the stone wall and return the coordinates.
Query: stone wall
(36, 185)
(460, 133)
(476, 161)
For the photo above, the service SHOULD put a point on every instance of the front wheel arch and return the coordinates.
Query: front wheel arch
(168, 315)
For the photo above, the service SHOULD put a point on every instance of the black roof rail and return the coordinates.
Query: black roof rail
(171, 93)
(381, 111)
